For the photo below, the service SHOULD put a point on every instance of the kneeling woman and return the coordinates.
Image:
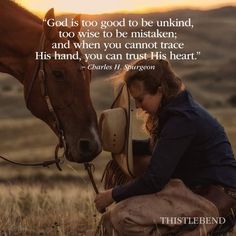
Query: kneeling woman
(191, 174)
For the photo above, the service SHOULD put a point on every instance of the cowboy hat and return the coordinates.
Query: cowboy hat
(116, 131)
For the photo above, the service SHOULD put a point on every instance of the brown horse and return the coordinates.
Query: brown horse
(56, 91)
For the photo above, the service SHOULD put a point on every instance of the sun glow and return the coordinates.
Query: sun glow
(75, 6)
(110, 6)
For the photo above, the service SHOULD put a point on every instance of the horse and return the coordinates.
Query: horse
(55, 91)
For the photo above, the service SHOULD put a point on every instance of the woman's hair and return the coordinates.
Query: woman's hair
(162, 75)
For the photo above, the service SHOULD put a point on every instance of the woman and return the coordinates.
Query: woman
(191, 175)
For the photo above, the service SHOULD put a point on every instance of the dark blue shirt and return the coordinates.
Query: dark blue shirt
(191, 146)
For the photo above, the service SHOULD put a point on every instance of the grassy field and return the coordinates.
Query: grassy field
(46, 209)
(38, 201)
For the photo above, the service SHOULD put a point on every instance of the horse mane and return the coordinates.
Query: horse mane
(13, 5)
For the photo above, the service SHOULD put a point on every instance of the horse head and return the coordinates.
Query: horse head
(58, 92)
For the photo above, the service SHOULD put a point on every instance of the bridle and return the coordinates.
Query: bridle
(39, 72)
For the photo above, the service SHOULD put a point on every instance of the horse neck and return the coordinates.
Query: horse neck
(20, 34)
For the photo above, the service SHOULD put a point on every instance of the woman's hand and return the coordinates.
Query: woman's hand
(103, 200)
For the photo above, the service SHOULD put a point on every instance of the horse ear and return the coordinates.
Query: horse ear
(78, 27)
(50, 32)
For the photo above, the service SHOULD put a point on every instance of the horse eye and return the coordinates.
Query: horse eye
(58, 74)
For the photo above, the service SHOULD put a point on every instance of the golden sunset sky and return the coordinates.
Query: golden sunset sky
(104, 6)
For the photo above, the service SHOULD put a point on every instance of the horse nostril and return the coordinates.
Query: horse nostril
(85, 145)
(88, 149)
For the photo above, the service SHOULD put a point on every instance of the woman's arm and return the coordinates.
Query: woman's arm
(141, 147)
(174, 140)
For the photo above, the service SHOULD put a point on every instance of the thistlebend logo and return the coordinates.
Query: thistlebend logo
(192, 220)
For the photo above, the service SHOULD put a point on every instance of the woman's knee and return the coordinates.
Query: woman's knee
(116, 219)
(126, 220)
(120, 218)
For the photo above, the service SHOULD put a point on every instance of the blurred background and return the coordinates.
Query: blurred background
(42, 201)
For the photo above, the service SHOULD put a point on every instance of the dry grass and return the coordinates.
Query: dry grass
(44, 201)
(41, 209)
(47, 202)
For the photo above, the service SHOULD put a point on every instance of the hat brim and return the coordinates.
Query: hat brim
(125, 159)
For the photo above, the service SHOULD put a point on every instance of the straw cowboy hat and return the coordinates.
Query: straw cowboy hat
(116, 131)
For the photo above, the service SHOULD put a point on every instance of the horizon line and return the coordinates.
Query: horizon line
(145, 11)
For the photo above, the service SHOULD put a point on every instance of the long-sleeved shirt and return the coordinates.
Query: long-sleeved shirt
(191, 146)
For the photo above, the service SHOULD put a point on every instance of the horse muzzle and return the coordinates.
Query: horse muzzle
(85, 151)
(88, 149)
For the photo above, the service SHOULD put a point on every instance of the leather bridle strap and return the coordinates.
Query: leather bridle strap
(43, 164)
(40, 72)
(36, 69)
(56, 122)
(90, 169)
